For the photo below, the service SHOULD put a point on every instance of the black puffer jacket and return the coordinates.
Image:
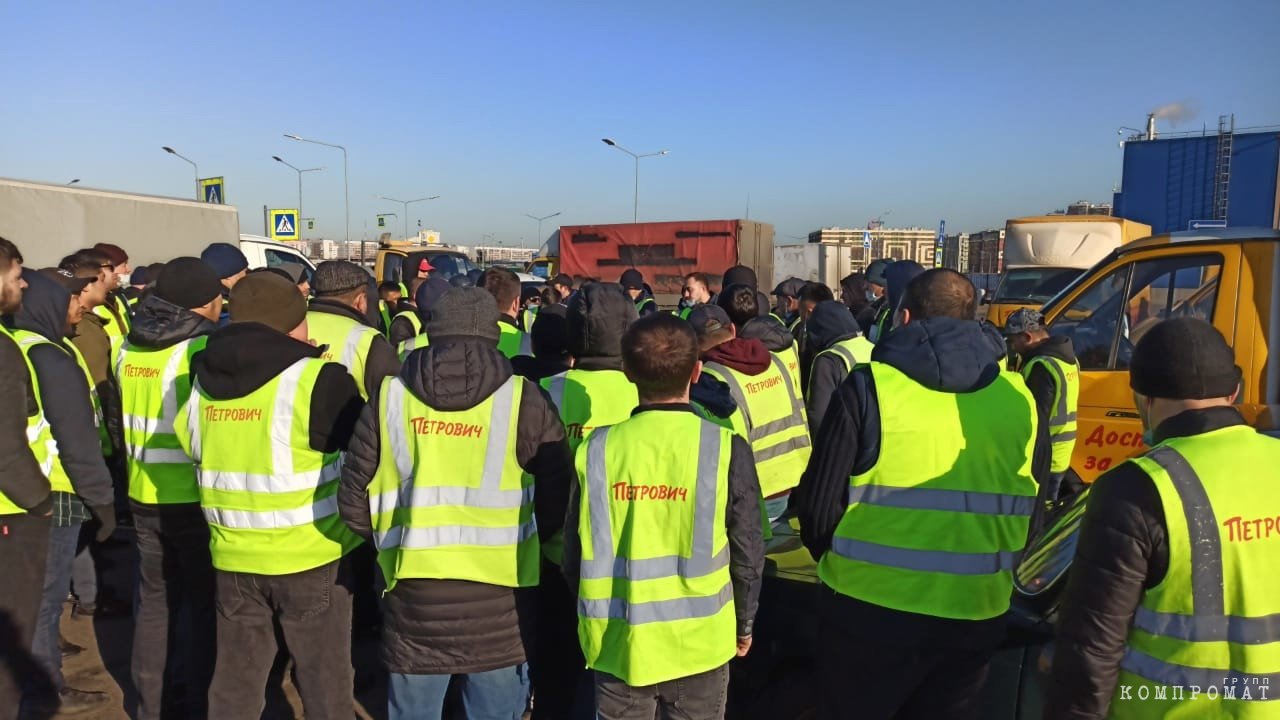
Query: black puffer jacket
(830, 323)
(458, 626)
(1122, 551)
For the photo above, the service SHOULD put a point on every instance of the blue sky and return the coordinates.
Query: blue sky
(824, 113)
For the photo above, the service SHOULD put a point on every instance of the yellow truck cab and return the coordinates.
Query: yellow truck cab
(398, 262)
(1228, 277)
(1043, 254)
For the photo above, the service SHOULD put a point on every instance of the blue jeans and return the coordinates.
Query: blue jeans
(57, 583)
(491, 695)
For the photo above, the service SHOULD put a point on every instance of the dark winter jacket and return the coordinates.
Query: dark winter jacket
(830, 323)
(159, 324)
(867, 316)
(458, 626)
(1040, 381)
(549, 339)
(381, 361)
(599, 314)
(242, 357)
(1122, 551)
(401, 327)
(942, 354)
(64, 394)
(22, 481)
(742, 522)
(769, 331)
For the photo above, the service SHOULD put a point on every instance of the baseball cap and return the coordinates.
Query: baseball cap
(425, 265)
(875, 272)
(1023, 320)
(708, 319)
(67, 279)
(789, 287)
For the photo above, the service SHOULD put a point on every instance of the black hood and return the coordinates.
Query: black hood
(1055, 347)
(455, 372)
(331, 306)
(713, 395)
(599, 314)
(829, 323)
(242, 357)
(44, 307)
(159, 323)
(769, 331)
(942, 354)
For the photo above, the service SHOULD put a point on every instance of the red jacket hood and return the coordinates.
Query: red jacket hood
(746, 355)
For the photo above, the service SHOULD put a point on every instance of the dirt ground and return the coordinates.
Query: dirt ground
(104, 664)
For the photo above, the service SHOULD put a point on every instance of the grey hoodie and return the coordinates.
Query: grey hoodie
(64, 392)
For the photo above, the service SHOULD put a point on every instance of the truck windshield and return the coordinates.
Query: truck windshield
(1034, 285)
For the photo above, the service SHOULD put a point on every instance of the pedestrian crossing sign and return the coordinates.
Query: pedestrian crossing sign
(283, 224)
(211, 190)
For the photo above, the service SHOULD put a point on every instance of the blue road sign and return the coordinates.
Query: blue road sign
(866, 239)
(284, 224)
(211, 190)
(1206, 224)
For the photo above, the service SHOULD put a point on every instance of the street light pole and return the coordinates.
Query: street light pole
(635, 213)
(539, 219)
(298, 170)
(406, 204)
(346, 194)
(176, 154)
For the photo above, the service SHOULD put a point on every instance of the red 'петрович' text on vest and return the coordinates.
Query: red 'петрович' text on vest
(623, 491)
(423, 426)
(232, 414)
(1239, 529)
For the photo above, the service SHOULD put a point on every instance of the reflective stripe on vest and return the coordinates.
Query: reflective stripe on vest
(150, 396)
(666, 588)
(39, 433)
(513, 343)
(262, 487)
(936, 526)
(763, 437)
(59, 480)
(1062, 416)
(408, 346)
(1202, 625)
(348, 343)
(412, 317)
(853, 351)
(482, 531)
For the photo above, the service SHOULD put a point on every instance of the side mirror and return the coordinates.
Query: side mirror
(1041, 575)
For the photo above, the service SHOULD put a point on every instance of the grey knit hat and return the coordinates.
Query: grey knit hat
(465, 311)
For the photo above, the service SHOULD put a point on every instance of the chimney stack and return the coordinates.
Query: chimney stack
(1151, 126)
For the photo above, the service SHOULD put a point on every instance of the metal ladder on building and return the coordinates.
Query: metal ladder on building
(1222, 167)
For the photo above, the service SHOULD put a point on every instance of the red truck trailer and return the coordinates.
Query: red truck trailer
(667, 251)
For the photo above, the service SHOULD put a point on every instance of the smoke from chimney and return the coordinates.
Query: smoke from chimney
(1177, 112)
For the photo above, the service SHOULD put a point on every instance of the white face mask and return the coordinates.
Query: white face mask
(871, 296)
(123, 280)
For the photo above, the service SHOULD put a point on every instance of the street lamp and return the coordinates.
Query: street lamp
(635, 214)
(176, 154)
(406, 204)
(346, 196)
(298, 170)
(539, 219)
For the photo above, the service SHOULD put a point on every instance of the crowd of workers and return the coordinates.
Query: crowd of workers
(494, 472)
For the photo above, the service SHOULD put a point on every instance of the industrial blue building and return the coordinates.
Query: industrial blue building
(1171, 182)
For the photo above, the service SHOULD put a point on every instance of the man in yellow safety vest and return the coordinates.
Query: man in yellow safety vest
(663, 541)
(265, 424)
(337, 320)
(1171, 606)
(916, 501)
(458, 471)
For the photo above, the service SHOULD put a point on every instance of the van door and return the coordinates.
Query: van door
(1107, 316)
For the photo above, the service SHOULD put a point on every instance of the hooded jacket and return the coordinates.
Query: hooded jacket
(943, 354)
(599, 314)
(64, 393)
(242, 357)
(159, 324)
(830, 323)
(458, 626)
(381, 361)
(746, 355)
(22, 481)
